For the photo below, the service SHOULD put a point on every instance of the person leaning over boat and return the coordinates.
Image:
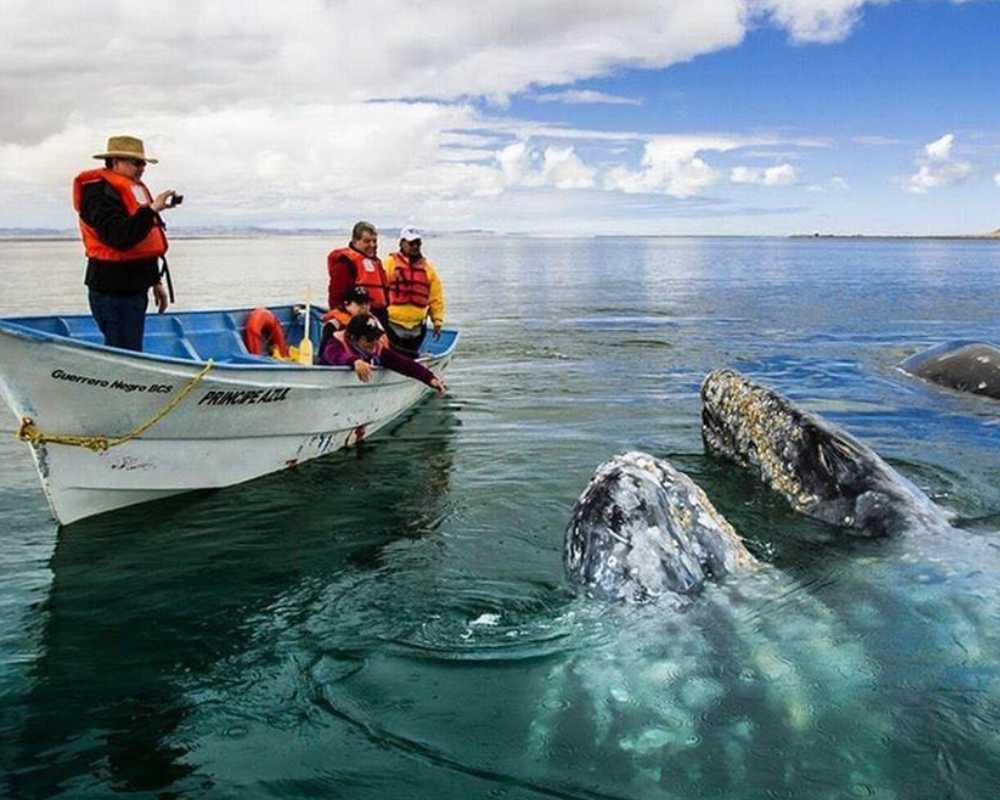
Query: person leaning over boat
(414, 294)
(361, 346)
(123, 236)
(336, 319)
(358, 265)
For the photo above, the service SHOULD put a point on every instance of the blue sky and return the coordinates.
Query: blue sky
(725, 116)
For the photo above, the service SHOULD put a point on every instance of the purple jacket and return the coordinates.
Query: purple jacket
(337, 354)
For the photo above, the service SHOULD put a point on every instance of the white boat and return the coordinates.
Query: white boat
(110, 428)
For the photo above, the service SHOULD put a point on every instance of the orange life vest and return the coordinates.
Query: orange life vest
(369, 273)
(134, 195)
(410, 284)
(337, 316)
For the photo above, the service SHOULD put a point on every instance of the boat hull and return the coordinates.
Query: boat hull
(237, 423)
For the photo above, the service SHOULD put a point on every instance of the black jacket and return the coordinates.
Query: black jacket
(102, 209)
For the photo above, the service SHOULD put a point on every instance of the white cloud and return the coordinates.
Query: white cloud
(559, 167)
(564, 170)
(585, 96)
(929, 177)
(821, 21)
(940, 149)
(937, 168)
(324, 163)
(877, 141)
(673, 165)
(840, 183)
(188, 54)
(780, 175)
(392, 160)
(514, 162)
(996, 179)
(745, 175)
(772, 155)
(264, 110)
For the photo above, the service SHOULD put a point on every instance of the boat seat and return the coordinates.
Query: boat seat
(168, 344)
(218, 345)
(83, 329)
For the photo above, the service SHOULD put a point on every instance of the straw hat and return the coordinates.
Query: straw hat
(125, 147)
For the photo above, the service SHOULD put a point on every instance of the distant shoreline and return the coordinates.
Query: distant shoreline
(194, 232)
(21, 235)
(988, 237)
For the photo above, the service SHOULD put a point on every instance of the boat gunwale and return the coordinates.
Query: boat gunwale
(12, 327)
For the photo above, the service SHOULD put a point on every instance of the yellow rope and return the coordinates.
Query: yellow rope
(28, 432)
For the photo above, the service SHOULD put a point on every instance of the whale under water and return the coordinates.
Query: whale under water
(823, 643)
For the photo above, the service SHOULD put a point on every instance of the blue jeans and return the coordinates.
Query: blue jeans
(121, 318)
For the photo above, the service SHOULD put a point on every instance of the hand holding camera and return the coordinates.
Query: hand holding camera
(167, 199)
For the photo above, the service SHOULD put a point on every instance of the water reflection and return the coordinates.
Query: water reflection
(145, 603)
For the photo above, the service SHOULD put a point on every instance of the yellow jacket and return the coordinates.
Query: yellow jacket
(411, 316)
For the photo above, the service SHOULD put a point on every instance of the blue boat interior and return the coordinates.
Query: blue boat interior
(198, 335)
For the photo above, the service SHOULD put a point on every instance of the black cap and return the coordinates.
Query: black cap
(357, 294)
(364, 326)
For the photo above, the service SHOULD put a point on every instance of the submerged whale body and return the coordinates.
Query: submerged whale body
(972, 367)
(823, 471)
(643, 529)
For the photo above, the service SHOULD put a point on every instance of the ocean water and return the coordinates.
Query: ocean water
(394, 621)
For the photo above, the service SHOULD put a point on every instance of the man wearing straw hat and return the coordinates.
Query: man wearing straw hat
(124, 238)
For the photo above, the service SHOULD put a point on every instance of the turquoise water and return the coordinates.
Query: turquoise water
(394, 621)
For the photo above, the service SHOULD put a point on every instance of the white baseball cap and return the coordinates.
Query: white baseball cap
(409, 233)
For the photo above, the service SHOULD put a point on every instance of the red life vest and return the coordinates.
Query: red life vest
(410, 284)
(368, 272)
(134, 195)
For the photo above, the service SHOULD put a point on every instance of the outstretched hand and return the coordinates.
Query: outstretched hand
(438, 386)
(363, 370)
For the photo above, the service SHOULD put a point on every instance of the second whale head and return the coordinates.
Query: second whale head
(643, 529)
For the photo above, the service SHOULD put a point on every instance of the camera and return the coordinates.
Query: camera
(175, 200)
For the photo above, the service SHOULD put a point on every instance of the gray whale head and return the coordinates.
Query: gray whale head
(823, 471)
(643, 529)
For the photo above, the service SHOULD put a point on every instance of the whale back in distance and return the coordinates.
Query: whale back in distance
(643, 529)
(972, 367)
(823, 471)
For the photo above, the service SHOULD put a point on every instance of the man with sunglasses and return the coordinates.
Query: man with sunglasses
(415, 293)
(124, 239)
